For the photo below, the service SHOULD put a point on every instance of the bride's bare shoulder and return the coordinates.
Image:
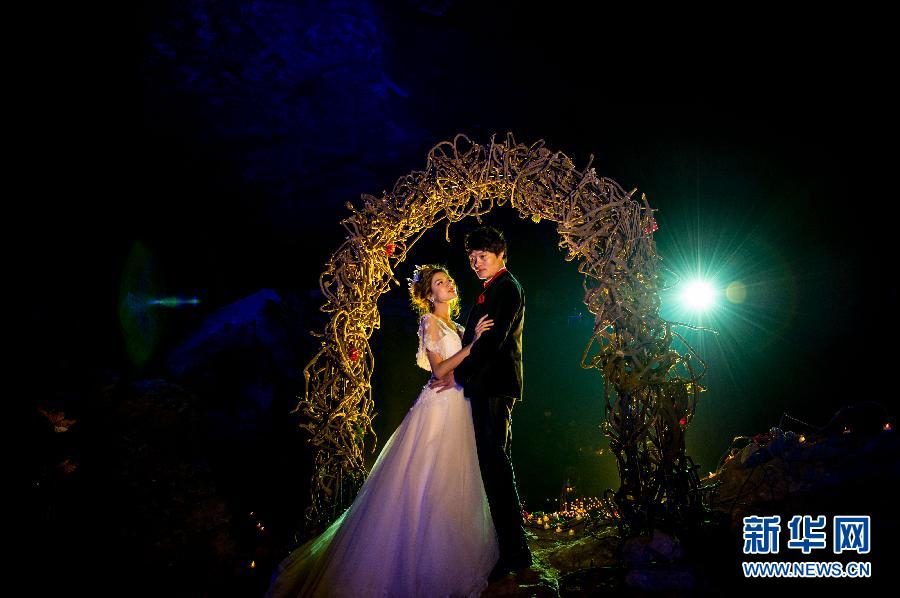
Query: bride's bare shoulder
(430, 322)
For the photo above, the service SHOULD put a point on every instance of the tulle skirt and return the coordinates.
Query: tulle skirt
(420, 525)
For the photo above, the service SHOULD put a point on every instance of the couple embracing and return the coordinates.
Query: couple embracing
(439, 514)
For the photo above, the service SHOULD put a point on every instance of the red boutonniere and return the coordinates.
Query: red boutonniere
(488, 282)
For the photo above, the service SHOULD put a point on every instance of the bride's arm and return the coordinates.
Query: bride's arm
(441, 367)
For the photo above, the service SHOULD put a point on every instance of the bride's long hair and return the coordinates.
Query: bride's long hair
(420, 287)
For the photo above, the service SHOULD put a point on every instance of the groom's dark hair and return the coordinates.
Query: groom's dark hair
(486, 238)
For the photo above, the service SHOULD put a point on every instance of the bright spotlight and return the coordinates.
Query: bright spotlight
(698, 295)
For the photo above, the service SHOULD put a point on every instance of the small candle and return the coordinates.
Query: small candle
(571, 532)
(546, 526)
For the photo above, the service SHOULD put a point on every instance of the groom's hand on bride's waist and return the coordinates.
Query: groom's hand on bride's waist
(442, 384)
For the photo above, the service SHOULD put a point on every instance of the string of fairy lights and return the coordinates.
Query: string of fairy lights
(650, 389)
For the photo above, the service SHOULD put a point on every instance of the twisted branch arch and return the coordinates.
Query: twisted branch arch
(650, 389)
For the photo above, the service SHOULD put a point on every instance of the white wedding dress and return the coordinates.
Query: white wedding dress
(421, 524)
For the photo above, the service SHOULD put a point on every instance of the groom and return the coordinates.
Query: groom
(492, 379)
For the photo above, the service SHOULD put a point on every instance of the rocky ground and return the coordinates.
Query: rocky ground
(840, 470)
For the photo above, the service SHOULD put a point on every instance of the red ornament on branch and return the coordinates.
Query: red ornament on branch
(389, 249)
(354, 354)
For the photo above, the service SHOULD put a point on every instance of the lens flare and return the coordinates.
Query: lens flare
(736, 292)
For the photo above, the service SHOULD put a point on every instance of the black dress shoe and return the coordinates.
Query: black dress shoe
(499, 571)
(521, 561)
(506, 566)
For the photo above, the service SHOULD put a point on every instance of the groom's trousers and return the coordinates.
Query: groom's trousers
(491, 417)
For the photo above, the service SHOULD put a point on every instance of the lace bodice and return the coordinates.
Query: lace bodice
(436, 336)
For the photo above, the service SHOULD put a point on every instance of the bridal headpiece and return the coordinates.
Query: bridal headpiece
(416, 277)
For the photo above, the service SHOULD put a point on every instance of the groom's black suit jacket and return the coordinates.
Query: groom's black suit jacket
(494, 366)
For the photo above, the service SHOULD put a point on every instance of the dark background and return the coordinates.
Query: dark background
(226, 138)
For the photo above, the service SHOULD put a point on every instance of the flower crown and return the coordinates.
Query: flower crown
(416, 277)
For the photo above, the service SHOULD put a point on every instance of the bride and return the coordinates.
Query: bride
(420, 525)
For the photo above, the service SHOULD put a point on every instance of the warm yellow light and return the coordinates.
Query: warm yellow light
(736, 292)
